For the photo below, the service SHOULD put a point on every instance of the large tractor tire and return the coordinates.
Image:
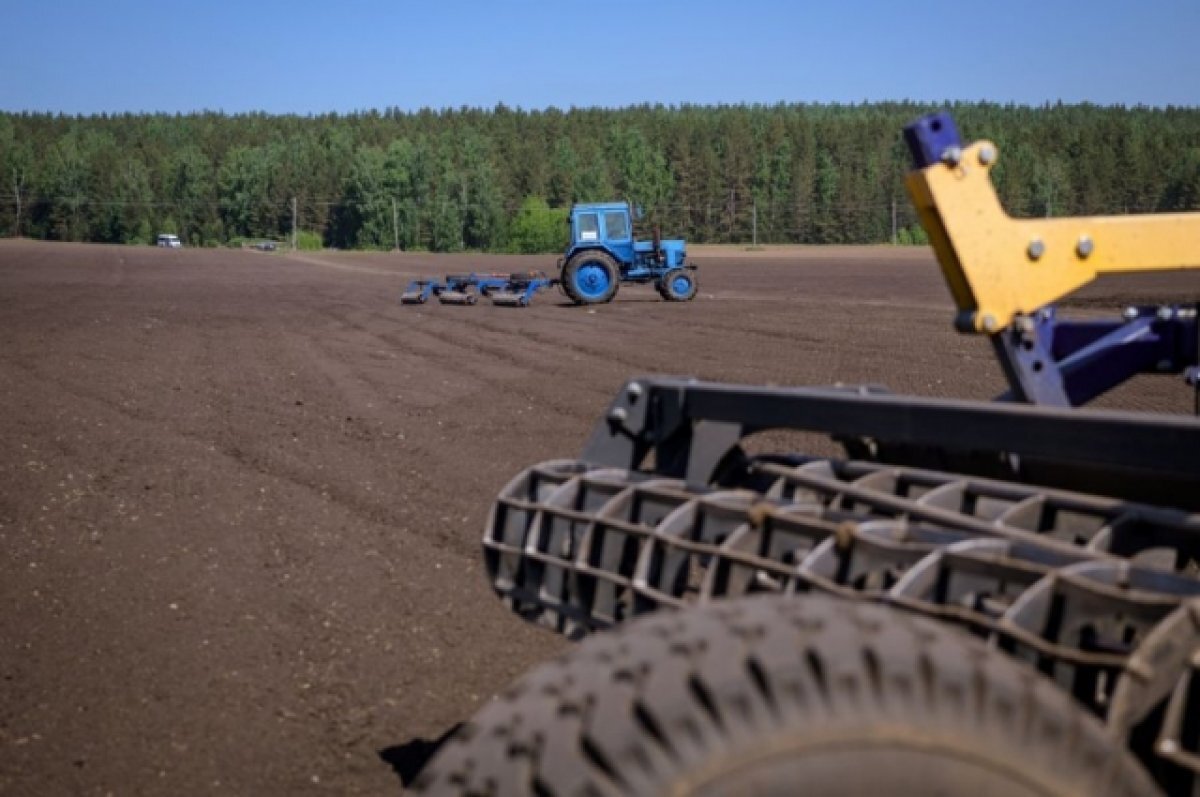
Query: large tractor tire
(784, 695)
(678, 285)
(591, 277)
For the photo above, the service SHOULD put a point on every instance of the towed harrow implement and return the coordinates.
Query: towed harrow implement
(507, 290)
(521, 288)
(976, 598)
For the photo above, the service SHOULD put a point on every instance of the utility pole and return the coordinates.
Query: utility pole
(395, 226)
(293, 224)
(732, 213)
(895, 240)
(755, 222)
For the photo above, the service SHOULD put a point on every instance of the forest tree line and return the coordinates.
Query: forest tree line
(480, 179)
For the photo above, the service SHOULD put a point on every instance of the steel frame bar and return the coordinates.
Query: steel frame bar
(692, 427)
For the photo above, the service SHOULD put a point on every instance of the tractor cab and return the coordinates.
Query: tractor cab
(607, 225)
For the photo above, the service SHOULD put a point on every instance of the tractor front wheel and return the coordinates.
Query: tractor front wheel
(678, 285)
(591, 278)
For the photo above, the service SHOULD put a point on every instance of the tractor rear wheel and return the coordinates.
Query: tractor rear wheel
(678, 285)
(591, 277)
(784, 695)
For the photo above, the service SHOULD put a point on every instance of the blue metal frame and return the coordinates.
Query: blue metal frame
(419, 291)
(932, 139)
(1068, 363)
(520, 289)
(484, 282)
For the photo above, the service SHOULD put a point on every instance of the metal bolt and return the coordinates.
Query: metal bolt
(989, 322)
(987, 154)
(1165, 313)
(965, 322)
(618, 415)
(635, 391)
(951, 156)
(1025, 324)
(1036, 249)
(1130, 313)
(1084, 246)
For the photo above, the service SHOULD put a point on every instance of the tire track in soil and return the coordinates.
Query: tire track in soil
(441, 472)
(503, 364)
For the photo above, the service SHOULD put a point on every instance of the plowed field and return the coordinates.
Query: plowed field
(240, 492)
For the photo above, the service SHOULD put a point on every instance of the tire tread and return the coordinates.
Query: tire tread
(629, 710)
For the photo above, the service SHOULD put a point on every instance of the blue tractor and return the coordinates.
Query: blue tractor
(603, 254)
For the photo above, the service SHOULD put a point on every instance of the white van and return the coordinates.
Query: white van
(169, 241)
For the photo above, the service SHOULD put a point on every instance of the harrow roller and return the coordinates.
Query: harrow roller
(510, 299)
(463, 297)
(419, 291)
(521, 288)
(1077, 588)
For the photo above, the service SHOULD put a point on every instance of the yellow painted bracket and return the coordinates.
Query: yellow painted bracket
(998, 267)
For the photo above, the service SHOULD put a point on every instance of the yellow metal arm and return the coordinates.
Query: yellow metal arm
(998, 267)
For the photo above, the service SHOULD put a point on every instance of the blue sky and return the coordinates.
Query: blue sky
(306, 57)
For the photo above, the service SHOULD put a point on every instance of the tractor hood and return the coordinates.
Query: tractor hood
(673, 245)
(674, 251)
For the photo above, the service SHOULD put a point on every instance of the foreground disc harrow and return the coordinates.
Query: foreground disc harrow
(1087, 589)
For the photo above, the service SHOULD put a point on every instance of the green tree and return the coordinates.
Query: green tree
(538, 228)
(642, 173)
(407, 178)
(448, 196)
(127, 217)
(592, 183)
(244, 190)
(16, 170)
(564, 165)
(483, 206)
(772, 188)
(1182, 191)
(825, 226)
(189, 190)
(66, 178)
(1052, 188)
(367, 208)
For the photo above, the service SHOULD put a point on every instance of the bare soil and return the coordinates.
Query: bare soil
(241, 492)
